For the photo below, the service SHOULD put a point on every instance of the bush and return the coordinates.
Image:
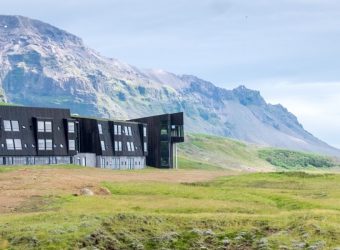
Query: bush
(293, 159)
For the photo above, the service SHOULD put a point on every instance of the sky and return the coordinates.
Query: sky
(289, 50)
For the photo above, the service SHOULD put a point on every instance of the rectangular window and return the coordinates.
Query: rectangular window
(116, 146)
(41, 144)
(7, 125)
(115, 129)
(71, 145)
(128, 146)
(70, 127)
(48, 126)
(100, 129)
(144, 131)
(48, 144)
(41, 126)
(10, 144)
(102, 144)
(132, 147)
(120, 146)
(119, 129)
(126, 130)
(130, 131)
(145, 147)
(17, 144)
(15, 126)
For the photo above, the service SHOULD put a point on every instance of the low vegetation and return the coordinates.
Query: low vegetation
(288, 210)
(213, 153)
(291, 159)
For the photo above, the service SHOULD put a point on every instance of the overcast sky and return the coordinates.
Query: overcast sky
(287, 49)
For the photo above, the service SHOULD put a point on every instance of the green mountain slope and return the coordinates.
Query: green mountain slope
(211, 152)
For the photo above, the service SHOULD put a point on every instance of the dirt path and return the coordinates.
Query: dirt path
(18, 186)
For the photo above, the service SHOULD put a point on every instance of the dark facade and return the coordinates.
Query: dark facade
(30, 135)
(164, 132)
(35, 135)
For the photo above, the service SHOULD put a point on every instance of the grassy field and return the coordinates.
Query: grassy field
(214, 202)
(291, 210)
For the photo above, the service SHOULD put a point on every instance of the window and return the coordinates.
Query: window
(11, 125)
(164, 131)
(48, 144)
(102, 144)
(130, 132)
(17, 144)
(144, 131)
(7, 125)
(115, 129)
(145, 147)
(71, 145)
(132, 147)
(41, 144)
(15, 126)
(41, 126)
(120, 146)
(119, 129)
(70, 127)
(128, 146)
(100, 129)
(10, 144)
(126, 130)
(116, 146)
(48, 126)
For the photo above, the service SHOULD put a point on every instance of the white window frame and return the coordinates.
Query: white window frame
(119, 129)
(100, 129)
(115, 130)
(7, 125)
(128, 146)
(48, 129)
(71, 145)
(70, 127)
(119, 146)
(132, 146)
(126, 131)
(41, 126)
(130, 131)
(145, 147)
(41, 144)
(10, 144)
(49, 144)
(15, 126)
(144, 131)
(102, 145)
(116, 145)
(17, 144)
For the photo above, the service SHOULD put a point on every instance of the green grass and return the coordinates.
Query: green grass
(250, 211)
(201, 151)
(212, 153)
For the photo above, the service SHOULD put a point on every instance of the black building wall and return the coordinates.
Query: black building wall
(27, 119)
(103, 137)
(161, 137)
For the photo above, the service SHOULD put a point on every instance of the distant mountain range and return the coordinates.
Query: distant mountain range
(42, 65)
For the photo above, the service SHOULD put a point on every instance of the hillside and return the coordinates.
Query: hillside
(201, 151)
(42, 65)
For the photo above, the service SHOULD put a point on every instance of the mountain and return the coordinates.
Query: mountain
(42, 65)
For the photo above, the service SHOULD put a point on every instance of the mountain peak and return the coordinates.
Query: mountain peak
(248, 96)
(24, 26)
